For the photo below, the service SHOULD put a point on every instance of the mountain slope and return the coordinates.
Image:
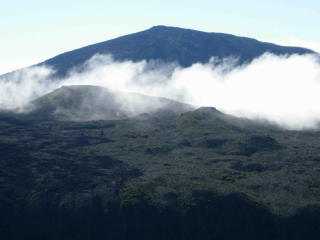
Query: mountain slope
(171, 44)
(196, 175)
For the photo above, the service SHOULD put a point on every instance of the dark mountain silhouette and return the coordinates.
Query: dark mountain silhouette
(171, 44)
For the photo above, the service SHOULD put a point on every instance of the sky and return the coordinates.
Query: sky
(34, 30)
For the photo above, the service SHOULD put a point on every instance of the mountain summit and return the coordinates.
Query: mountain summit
(171, 44)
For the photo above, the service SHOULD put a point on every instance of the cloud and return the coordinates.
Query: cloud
(282, 89)
(22, 86)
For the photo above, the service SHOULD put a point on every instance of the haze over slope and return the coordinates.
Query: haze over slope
(283, 89)
(91, 103)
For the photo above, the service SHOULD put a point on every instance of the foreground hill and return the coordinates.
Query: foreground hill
(171, 44)
(165, 175)
(89, 103)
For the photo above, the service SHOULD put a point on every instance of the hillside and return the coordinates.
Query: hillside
(195, 175)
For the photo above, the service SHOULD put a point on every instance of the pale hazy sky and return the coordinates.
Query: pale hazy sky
(34, 30)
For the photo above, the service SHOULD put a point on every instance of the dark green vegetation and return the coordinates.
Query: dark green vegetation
(170, 44)
(200, 174)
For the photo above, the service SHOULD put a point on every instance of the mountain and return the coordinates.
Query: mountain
(171, 44)
(85, 162)
(92, 103)
(199, 174)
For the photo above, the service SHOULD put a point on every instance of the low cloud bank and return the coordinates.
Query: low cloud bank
(281, 89)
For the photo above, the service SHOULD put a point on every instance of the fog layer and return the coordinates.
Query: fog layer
(284, 89)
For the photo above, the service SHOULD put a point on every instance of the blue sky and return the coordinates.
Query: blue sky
(34, 30)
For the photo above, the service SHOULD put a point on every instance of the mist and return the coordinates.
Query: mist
(281, 89)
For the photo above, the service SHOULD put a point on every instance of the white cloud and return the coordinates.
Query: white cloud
(280, 89)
